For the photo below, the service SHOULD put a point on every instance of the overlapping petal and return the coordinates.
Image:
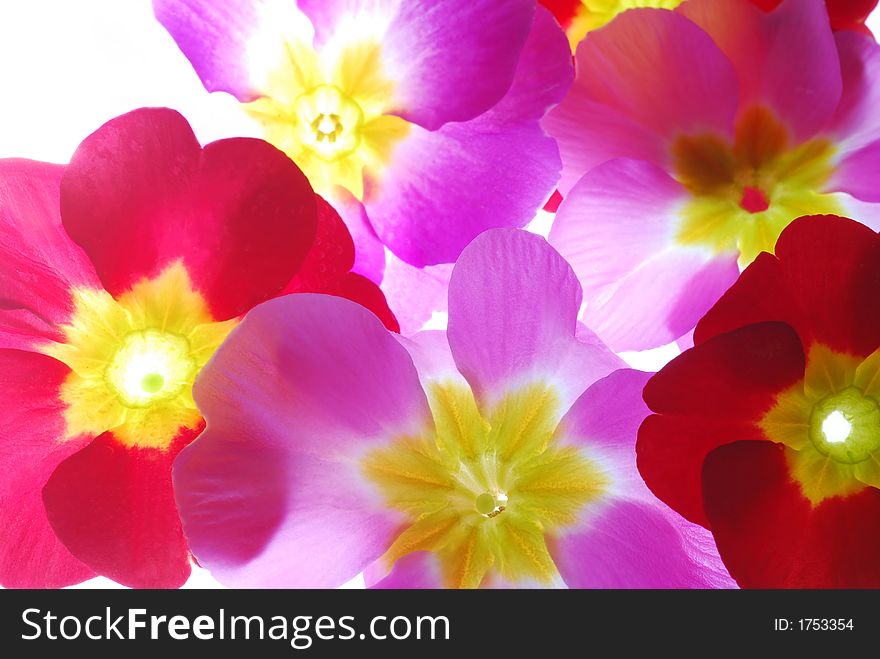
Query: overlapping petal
(442, 188)
(513, 305)
(631, 540)
(617, 228)
(825, 270)
(786, 60)
(141, 193)
(330, 383)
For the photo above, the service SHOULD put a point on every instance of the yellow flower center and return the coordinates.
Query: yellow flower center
(744, 194)
(830, 424)
(134, 359)
(330, 122)
(482, 492)
(328, 110)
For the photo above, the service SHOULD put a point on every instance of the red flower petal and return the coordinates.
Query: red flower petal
(563, 10)
(822, 281)
(31, 427)
(113, 506)
(708, 396)
(769, 535)
(140, 193)
(328, 264)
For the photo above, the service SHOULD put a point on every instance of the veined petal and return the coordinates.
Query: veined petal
(272, 494)
(634, 544)
(513, 304)
(618, 228)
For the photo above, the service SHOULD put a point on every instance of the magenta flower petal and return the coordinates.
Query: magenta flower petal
(859, 174)
(513, 305)
(41, 263)
(32, 425)
(451, 59)
(435, 195)
(631, 544)
(418, 570)
(631, 540)
(215, 37)
(271, 494)
(786, 59)
(616, 229)
(857, 122)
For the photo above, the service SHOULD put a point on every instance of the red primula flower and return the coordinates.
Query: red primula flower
(109, 309)
(767, 432)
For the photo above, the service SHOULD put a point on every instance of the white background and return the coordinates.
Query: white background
(67, 66)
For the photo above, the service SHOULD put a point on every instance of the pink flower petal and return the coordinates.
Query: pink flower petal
(215, 37)
(443, 188)
(414, 294)
(632, 544)
(617, 230)
(856, 122)
(786, 60)
(271, 494)
(513, 304)
(418, 570)
(647, 77)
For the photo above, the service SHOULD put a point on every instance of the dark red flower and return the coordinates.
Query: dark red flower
(767, 432)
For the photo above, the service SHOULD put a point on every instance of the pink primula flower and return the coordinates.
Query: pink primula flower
(418, 120)
(500, 453)
(692, 138)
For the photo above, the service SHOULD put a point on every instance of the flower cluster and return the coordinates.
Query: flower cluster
(217, 353)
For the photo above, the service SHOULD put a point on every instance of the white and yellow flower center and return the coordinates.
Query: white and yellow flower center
(745, 193)
(134, 359)
(328, 110)
(830, 424)
(481, 491)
